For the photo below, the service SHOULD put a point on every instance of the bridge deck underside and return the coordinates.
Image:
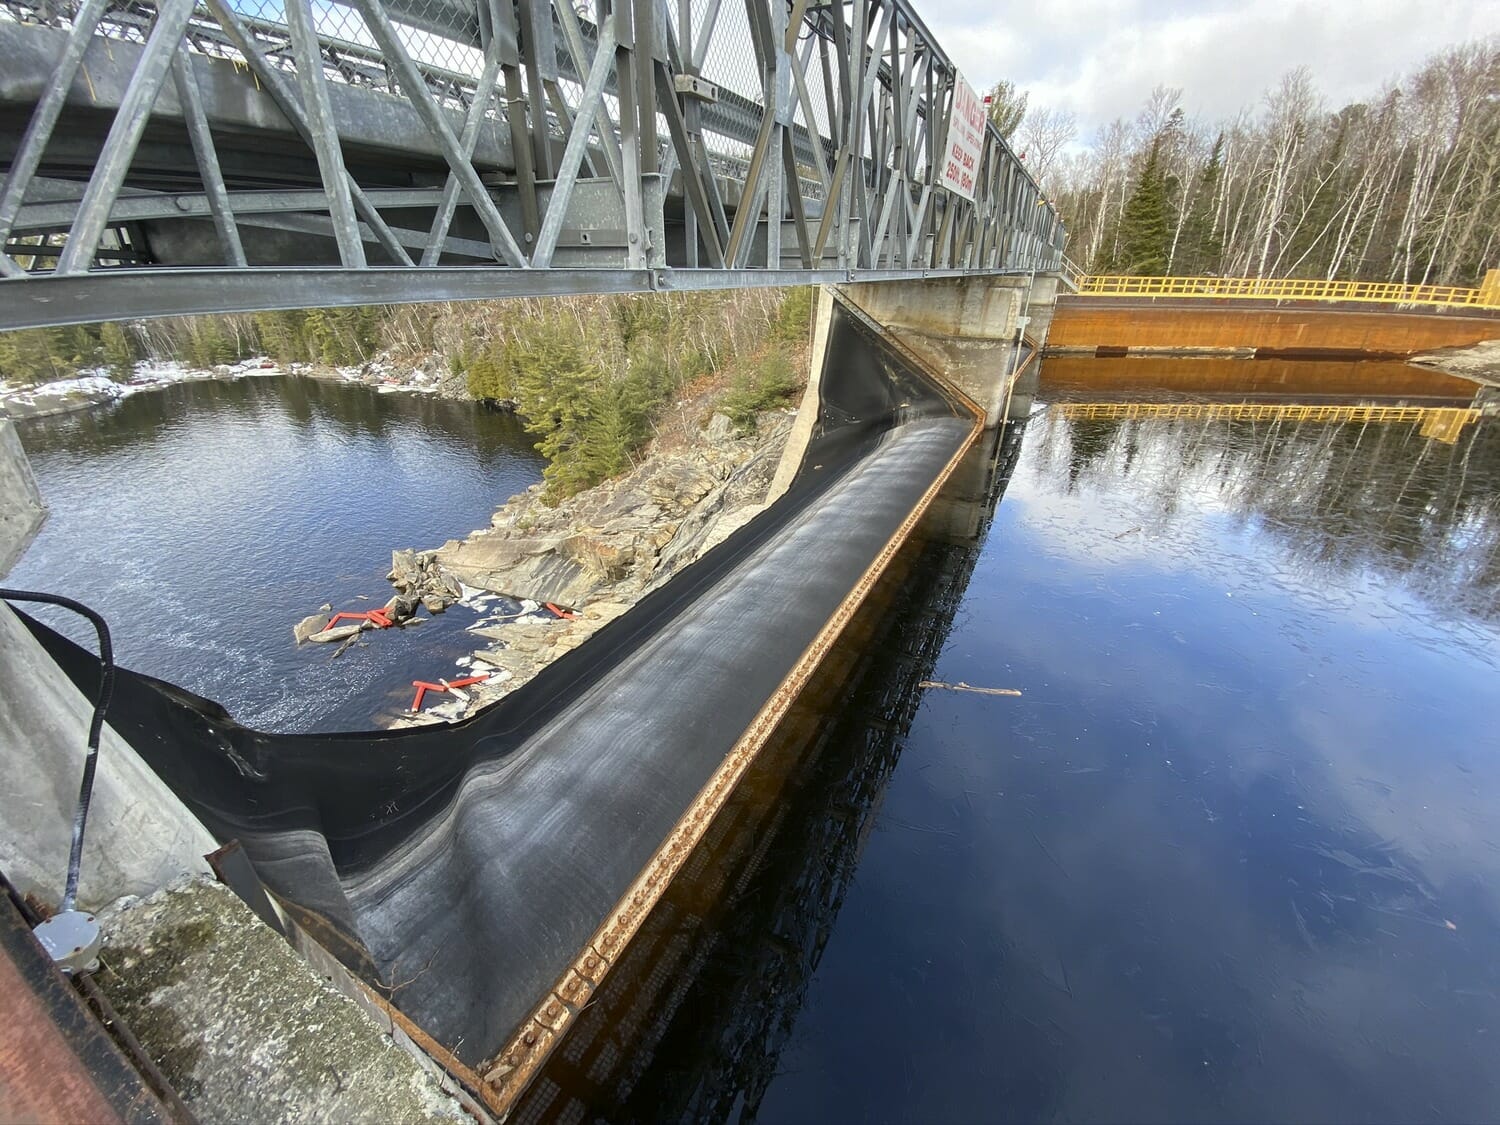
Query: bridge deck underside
(493, 870)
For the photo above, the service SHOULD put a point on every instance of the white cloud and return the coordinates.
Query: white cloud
(1101, 59)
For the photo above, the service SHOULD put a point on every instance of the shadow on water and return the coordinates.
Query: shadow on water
(690, 1024)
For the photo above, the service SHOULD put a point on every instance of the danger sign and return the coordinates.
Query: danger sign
(965, 141)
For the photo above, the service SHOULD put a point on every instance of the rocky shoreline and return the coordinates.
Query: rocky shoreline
(544, 578)
(544, 575)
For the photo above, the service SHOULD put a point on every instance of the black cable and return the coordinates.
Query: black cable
(96, 726)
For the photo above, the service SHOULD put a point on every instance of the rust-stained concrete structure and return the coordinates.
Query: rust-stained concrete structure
(1120, 325)
(1085, 378)
(973, 331)
(970, 330)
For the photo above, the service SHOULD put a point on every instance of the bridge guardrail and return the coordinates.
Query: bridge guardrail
(1291, 289)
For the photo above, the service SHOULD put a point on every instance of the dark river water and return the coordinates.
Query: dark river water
(1233, 853)
(205, 519)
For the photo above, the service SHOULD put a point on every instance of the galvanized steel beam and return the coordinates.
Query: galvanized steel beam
(769, 122)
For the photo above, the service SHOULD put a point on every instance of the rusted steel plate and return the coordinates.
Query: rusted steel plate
(57, 1064)
(1082, 322)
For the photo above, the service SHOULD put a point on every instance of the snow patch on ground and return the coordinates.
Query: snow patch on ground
(98, 387)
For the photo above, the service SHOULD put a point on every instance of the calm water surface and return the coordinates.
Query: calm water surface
(205, 519)
(1233, 854)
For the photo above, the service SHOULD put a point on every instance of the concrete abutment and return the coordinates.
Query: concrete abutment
(972, 330)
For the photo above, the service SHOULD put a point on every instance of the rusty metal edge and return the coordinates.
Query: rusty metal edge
(453, 1076)
(506, 1076)
(70, 1052)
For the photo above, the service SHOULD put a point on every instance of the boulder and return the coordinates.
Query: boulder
(435, 603)
(308, 626)
(677, 484)
(399, 608)
(404, 568)
(605, 558)
(338, 633)
(720, 429)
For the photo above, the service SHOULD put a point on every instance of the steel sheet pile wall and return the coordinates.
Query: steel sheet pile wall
(487, 873)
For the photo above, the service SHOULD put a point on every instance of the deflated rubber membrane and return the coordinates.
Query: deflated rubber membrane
(464, 867)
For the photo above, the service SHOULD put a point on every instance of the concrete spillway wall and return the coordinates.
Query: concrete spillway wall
(972, 331)
(1115, 325)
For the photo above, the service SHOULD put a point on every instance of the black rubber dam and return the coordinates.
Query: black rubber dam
(462, 869)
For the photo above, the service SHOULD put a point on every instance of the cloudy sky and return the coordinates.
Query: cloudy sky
(1100, 58)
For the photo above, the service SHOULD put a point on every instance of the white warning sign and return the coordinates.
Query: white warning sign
(965, 141)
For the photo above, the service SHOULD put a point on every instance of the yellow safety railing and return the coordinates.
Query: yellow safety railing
(1071, 272)
(1441, 422)
(1293, 289)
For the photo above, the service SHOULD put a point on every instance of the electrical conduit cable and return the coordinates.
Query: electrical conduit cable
(96, 727)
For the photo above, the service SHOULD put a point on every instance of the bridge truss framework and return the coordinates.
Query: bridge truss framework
(184, 156)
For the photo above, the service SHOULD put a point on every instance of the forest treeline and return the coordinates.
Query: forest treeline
(591, 376)
(1404, 186)
(331, 337)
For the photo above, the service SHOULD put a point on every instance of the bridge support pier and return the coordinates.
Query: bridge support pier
(968, 329)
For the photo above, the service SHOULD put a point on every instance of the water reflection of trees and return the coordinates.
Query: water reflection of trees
(1338, 496)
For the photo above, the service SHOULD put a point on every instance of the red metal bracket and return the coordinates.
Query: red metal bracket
(376, 617)
(423, 687)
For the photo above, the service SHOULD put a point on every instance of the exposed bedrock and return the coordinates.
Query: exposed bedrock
(623, 536)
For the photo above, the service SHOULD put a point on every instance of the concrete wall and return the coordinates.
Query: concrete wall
(967, 329)
(1089, 323)
(807, 409)
(21, 508)
(976, 308)
(140, 836)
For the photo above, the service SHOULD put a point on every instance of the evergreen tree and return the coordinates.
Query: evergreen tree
(556, 386)
(1007, 108)
(487, 374)
(613, 430)
(1146, 226)
(26, 357)
(119, 351)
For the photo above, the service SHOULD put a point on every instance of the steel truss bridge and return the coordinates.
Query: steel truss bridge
(191, 156)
